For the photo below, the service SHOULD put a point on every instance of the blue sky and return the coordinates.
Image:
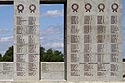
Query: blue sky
(51, 26)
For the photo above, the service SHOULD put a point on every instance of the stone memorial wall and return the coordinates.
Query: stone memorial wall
(93, 43)
(26, 39)
(6, 71)
(94, 50)
(50, 71)
(53, 71)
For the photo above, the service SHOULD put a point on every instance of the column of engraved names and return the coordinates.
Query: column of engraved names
(115, 40)
(33, 39)
(89, 41)
(33, 46)
(20, 44)
(26, 48)
(102, 55)
(75, 46)
(88, 67)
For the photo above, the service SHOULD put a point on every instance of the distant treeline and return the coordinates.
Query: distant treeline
(45, 55)
(123, 59)
(49, 55)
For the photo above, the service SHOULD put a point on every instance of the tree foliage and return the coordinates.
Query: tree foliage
(51, 56)
(123, 59)
(45, 56)
(0, 57)
(8, 56)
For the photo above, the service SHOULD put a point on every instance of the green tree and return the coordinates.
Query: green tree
(0, 57)
(57, 56)
(123, 59)
(49, 51)
(52, 56)
(45, 56)
(8, 56)
(42, 53)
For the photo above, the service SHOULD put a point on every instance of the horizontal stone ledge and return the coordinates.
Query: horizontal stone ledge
(58, 82)
(41, 1)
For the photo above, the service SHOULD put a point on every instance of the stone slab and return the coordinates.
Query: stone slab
(59, 82)
(94, 40)
(52, 71)
(6, 71)
(26, 39)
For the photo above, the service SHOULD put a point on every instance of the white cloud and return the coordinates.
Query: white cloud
(5, 5)
(47, 4)
(54, 45)
(5, 42)
(6, 39)
(52, 37)
(2, 31)
(53, 13)
(52, 29)
(41, 38)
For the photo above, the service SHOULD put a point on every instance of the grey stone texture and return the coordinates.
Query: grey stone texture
(6, 71)
(26, 39)
(123, 70)
(49, 71)
(94, 44)
(53, 71)
(94, 40)
(60, 82)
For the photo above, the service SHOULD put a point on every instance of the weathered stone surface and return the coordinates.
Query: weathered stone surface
(52, 71)
(6, 71)
(26, 39)
(61, 82)
(49, 72)
(52, 1)
(94, 41)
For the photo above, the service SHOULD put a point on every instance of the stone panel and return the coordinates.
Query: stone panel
(53, 71)
(26, 39)
(94, 41)
(6, 71)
